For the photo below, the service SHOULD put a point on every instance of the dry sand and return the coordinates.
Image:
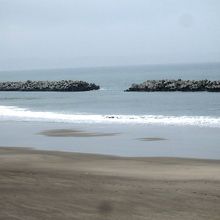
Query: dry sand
(50, 185)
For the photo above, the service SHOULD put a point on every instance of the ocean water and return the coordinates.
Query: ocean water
(198, 108)
(112, 107)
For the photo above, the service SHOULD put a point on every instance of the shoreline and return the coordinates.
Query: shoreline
(119, 140)
(36, 184)
(61, 152)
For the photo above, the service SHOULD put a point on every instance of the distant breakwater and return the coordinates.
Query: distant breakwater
(176, 85)
(59, 86)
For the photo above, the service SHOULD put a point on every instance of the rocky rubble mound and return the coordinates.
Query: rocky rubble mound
(176, 85)
(60, 86)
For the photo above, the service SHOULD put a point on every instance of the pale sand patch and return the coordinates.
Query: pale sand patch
(56, 185)
(74, 133)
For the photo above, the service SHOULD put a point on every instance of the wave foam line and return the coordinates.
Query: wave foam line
(22, 114)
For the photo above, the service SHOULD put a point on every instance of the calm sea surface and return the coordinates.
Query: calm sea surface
(111, 106)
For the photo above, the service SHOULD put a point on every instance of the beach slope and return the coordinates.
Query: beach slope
(56, 185)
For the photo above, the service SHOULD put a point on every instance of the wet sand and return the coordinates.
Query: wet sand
(152, 139)
(74, 133)
(55, 185)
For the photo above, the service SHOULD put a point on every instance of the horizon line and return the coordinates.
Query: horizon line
(109, 66)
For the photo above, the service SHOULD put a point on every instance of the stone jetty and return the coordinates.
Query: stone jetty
(176, 85)
(47, 86)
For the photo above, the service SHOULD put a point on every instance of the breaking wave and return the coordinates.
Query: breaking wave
(22, 114)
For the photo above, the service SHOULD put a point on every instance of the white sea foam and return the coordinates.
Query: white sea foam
(103, 89)
(23, 114)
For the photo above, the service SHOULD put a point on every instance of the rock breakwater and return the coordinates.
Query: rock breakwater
(176, 85)
(59, 86)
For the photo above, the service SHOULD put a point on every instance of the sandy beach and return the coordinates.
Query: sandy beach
(109, 110)
(56, 185)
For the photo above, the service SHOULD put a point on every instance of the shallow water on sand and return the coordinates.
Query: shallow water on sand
(125, 140)
(148, 124)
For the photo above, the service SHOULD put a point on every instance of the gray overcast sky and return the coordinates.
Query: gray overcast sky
(73, 33)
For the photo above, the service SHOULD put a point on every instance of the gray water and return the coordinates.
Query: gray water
(112, 99)
(189, 121)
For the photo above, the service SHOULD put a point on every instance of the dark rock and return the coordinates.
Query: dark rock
(61, 86)
(176, 85)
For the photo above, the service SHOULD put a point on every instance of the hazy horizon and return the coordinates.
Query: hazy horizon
(49, 34)
(111, 66)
